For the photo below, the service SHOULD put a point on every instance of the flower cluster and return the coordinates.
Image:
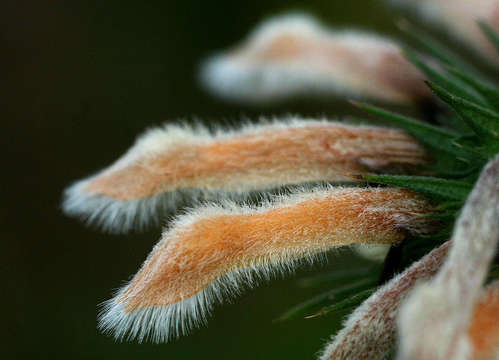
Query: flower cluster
(267, 196)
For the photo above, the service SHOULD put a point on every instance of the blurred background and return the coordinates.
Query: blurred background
(81, 80)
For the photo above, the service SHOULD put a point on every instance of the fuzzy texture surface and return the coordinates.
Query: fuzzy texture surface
(460, 18)
(214, 251)
(484, 330)
(294, 54)
(175, 164)
(370, 331)
(433, 322)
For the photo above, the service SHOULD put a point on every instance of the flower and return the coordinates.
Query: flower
(212, 252)
(294, 54)
(437, 307)
(168, 165)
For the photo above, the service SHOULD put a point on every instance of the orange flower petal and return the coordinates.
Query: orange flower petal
(209, 253)
(170, 164)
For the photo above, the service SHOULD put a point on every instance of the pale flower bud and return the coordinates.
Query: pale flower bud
(296, 55)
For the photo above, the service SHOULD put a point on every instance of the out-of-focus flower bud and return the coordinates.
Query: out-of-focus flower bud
(295, 55)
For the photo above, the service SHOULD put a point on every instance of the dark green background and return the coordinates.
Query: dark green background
(81, 80)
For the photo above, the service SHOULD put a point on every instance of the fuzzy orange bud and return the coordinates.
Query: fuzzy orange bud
(167, 165)
(209, 253)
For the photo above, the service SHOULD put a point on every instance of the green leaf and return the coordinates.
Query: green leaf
(432, 136)
(338, 278)
(347, 303)
(430, 186)
(488, 91)
(449, 205)
(318, 301)
(481, 148)
(433, 47)
(483, 121)
(454, 85)
(491, 148)
(457, 174)
(442, 216)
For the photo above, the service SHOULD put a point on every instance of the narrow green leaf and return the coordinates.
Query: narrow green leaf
(450, 120)
(407, 122)
(434, 48)
(432, 136)
(347, 303)
(477, 147)
(429, 186)
(442, 216)
(483, 121)
(449, 205)
(323, 299)
(457, 174)
(339, 278)
(491, 149)
(488, 91)
(454, 85)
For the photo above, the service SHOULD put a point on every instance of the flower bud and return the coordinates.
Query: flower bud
(214, 251)
(295, 55)
(169, 165)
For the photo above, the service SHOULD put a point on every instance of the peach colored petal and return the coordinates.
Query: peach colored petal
(208, 254)
(169, 165)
